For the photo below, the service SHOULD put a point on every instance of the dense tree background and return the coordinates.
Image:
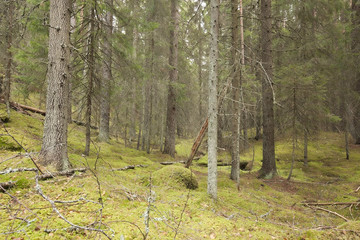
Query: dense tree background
(120, 74)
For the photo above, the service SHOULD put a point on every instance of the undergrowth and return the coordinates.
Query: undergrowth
(259, 209)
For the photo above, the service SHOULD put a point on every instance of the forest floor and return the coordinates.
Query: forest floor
(107, 203)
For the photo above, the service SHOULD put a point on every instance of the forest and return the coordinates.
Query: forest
(180, 119)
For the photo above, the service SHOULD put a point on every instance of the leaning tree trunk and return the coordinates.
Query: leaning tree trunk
(104, 129)
(213, 108)
(235, 159)
(169, 147)
(54, 146)
(268, 169)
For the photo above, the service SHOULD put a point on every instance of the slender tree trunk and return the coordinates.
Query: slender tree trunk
(306, 140)
(10, 8)
(91, 76)
(169, 147)
(268, 169)
(132, 132)
(235, 160)
(54, 146)
(213, 108)
(104, 129)
(294, 133)
(199, 63)
(72, 56)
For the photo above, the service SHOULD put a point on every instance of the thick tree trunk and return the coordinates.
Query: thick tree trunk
(235, 159)
(213, 108)
(356, 49)
(268, 169)
(91, 77)
(169, 147)
(54, 146)
(104, 129)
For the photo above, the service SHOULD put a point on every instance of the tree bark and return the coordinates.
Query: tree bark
(355, 49)
(169, 147)
(213, 108)
(234, 62)
(54, 145)
(10, 7)
(104, 129)
(268, 169)
(91, 76)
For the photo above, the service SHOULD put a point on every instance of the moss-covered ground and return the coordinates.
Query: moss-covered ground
(258, 209)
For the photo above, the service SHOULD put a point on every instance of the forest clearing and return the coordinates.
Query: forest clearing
(170, 119)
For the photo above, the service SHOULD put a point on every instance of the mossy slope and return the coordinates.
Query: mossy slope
(259, 209)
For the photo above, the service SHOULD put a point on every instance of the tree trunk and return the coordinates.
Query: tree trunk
(132, 131)
(294, 133)
(169, 147)
(306, 139)
(91, 77)
(235, 159)
(54, 146)
(8, 54)
(355, 49)
(104, 130)
(213, 109)
(200, 77)
(268, 169)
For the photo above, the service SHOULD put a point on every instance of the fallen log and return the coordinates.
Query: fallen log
(171, 163)
(62, 173)
(20, 107)
(27, 108)
(6, 185)
(129, 167)
(10, 170)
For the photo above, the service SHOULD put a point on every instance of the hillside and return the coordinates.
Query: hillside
(109, 202)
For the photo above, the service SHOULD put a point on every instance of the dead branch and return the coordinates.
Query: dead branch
(62, 173)
(171, 163)
(6, 185)
(332, 203)
(7, 132)
(328, 211)
(40, 192)
(357, 189)
(129, 167)
(10, 170)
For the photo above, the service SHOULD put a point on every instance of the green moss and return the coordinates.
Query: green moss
(176, 177)
(23, 183)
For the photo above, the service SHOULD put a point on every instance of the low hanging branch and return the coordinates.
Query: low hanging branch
(62, 173)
